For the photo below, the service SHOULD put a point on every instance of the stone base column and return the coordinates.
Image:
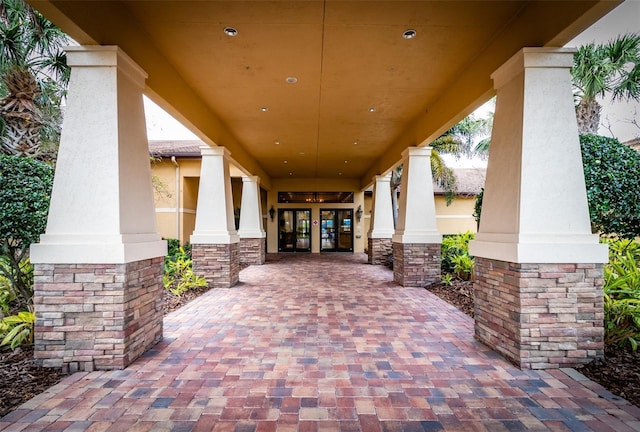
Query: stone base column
(380, 251)
(416, 264)
(540, 315)
(252, 251)
(219, 264)
(97, 316)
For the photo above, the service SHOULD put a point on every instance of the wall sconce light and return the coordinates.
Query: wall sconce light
(359, 213)
(272, 212)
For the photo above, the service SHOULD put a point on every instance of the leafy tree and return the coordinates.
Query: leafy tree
(460, 138)
(25, 188)
(34, 76)
(600, 69)
(612, 176)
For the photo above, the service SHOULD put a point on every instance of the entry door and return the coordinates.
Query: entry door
(336, 230)
(294, 234)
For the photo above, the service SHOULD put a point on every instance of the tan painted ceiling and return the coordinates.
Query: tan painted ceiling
(347, 57)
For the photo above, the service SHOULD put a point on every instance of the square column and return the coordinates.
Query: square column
(251, 231)
(98, 267)
(538, 266)
(416, 242)
(215, 244)
(380, 247)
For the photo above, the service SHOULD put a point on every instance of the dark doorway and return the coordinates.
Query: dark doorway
(294, 230)
(336, 230)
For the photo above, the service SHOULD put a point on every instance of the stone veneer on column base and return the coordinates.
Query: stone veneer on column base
(380, 251)
(540, 316)
(219, 264)
(96, 316)
(252, 251)
(416, 264)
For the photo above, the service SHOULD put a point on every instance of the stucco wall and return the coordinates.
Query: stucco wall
(451, 219)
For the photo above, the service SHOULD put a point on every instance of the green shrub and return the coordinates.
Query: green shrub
(463, 266)
(179, 276)
(477, 208)
(612, 177)
(455, 255)
(173, 248)
(25, 189)
(17, 329)
(622, 294)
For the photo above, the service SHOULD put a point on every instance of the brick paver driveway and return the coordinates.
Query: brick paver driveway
(323, 343)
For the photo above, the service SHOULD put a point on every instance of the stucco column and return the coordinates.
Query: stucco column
(416, 242)
(251, 231)
(98, 267)
(380, 247)
(538, 266)
(215, 242)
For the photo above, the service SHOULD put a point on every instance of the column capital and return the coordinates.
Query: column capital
(105, 56)
(529, 58)
(251, 179)
(416, 151)
(206, 150)
(382, 178)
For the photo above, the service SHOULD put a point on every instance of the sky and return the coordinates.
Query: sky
(617, 117)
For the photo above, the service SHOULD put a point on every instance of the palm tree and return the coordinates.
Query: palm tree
(613, 68)
(34, 76)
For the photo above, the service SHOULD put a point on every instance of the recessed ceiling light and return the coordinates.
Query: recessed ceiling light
(286, 161)
(264, 109)
(372, 109)
(277, 143)
(346, 161)
(409, 34)
(230, 31)
(291, 80)
(290, 173)
(355, 143)
(339, 173)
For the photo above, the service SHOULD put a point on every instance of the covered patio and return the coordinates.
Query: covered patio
(323, 342)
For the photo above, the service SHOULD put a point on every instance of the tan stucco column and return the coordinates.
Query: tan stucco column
(215, 242)
(538, 284)
(416, 242)
(251, 232)
(380, 247)
(98, 267)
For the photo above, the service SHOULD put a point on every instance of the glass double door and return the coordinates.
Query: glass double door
(336, 230)
(294, 230)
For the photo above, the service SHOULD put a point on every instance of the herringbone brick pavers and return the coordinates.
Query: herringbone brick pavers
(322, 343)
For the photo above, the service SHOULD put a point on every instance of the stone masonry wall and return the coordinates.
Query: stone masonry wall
(416, 264)
(96, 316)
(380, 251)
(252, 251)
(540, 315)
(219, 264)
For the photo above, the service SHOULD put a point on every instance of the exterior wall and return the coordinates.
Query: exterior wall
(315, 185)
(167, 200)
(540, 315)
(456, 217)
(97, 316)
(452, 219)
